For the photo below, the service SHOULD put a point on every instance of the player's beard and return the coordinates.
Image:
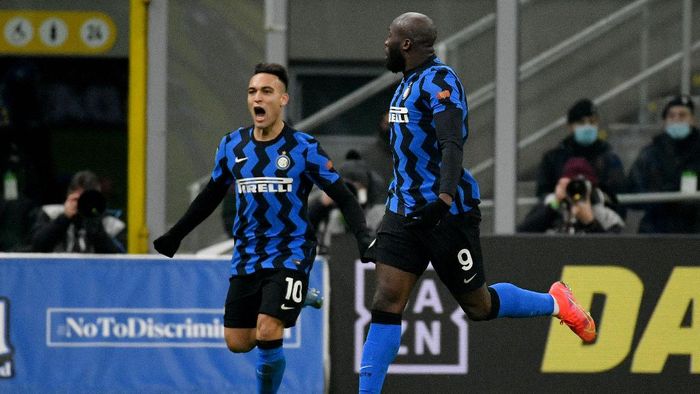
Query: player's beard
(394, 60)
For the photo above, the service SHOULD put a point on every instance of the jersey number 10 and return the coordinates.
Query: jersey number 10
(293, 290)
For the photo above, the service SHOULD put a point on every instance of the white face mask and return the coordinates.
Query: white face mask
(678, 131)
(586, 135)
(362, 195)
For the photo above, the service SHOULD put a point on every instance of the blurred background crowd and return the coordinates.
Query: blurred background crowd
(607, 128)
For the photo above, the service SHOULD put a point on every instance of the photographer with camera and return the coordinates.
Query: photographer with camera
(577, 205)
(80, 224)
(584, 140)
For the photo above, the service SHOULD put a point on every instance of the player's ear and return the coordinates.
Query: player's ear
(284, 99)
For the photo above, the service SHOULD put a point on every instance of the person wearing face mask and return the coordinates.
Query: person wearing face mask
(577, 205)
(671, 162)
(583, 141)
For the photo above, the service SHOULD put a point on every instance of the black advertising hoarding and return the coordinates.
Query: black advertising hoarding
(644, 293)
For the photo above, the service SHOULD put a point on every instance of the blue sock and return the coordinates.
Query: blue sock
(270, 366)
(517, 302)
(381, 346)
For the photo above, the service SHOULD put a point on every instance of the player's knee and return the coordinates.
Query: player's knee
(478, 304)
(239, 346)
(477, 312)
(388, 300)
(269, 328)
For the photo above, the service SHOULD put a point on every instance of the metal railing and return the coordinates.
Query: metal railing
(479, 96)
(487, 92)
(624, 199)
(376, 85)
(610, 94)
(226, 247)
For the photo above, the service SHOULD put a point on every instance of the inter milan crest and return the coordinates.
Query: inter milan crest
(407, 91)
(283, 161)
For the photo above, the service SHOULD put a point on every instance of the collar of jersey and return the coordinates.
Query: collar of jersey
(285, 129)
(417, 70)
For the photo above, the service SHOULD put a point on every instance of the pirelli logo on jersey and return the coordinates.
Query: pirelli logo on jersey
(264, 185)
(398, 115)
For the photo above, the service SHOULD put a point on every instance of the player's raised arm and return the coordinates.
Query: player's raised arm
(352, 212)
(321, 171)
(203, 205)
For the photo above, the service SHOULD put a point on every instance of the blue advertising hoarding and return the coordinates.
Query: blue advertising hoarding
(89, 323)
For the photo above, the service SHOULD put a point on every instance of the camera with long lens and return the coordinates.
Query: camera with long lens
(92, 204)
(578, 188)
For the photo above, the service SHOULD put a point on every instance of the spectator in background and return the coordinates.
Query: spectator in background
(370, 190)
(582, 121)
(16, 203)
(80, 224)
(378, 154)
(24, 155)
(576, 206)
(671, 162)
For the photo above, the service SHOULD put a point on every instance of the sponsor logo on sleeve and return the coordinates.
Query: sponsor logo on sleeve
(443, 95)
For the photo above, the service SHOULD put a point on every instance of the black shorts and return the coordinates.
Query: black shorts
(279, 293)
(453, 247)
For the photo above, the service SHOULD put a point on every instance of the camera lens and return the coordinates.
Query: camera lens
(91, 204)
(577, 189)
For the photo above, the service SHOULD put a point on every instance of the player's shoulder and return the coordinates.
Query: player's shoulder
(437, 77)
(303, 138)
(439, 66)
(440, 70)
(435, 64)
(235, 136)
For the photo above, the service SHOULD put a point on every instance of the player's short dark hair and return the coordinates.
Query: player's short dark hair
(86, 180)
(274, 69)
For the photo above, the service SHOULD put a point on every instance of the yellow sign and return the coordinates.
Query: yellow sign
(664, 335)
(56, 32)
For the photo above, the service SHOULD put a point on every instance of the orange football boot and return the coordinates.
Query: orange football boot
(571, 313)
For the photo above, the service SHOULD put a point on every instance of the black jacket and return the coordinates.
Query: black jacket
(544, 218)
(608, 166)
(54, 232)
(658, 168)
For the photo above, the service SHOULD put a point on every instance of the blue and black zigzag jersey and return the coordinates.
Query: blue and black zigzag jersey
(424, 92)
(271, 181)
